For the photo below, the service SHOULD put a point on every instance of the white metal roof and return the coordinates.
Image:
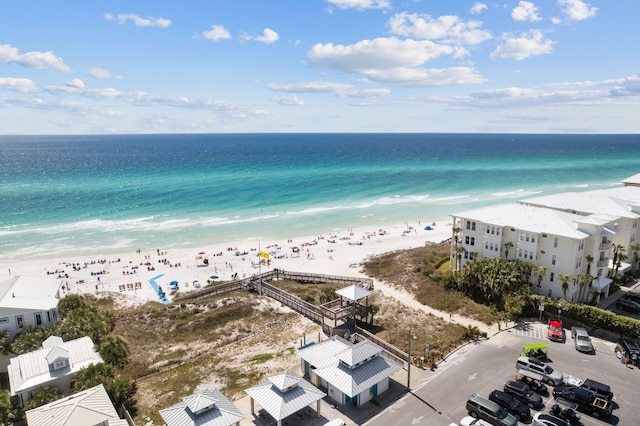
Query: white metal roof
(32, 369)
(22, 292)
(280, 404)
(632, 180)
(324, 353)
(528, 218)
(353, 381)
(354, 292)
(589, 202)
(359, 352)
(89, 407)
(207, 408)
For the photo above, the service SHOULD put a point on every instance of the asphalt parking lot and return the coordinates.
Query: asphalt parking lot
(486, 365)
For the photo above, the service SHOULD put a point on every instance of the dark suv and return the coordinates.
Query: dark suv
(628, 305)
(598, 389)
(627, 346)
(523, 393)
(511, 403)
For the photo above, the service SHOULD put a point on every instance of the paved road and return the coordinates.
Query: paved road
(487, 365)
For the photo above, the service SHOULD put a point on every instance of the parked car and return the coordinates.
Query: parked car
(542, 419)
(627, 346)
(598, 389)
(628, 305)
(555, 331)
(633, 296)
(550, 376)
(480, 407)
(472, 421)
(581, 340)
(524, 394)
(585, 400)
(511, 403)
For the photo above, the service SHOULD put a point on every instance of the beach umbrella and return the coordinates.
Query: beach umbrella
(173, 283)
(202, 252)
(214, 277)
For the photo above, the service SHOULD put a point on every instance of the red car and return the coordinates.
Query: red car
(555, 331)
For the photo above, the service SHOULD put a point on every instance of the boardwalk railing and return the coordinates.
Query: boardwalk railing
(389, 348)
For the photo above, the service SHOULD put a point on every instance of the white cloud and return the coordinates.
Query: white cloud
(525, 11)
(268, 36)
(360, 4)
(122, 18)
(338, 89)
(528, 44)
(478, 8)
(394, 61)
(38, 60)
(577, 10)
(289, 101)
(100, 73)
(311, 87)
(24, 85)
(217, 32)
(448, 29)
(76, 83)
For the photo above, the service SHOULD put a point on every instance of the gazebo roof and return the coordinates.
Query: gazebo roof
(207, 408)
(354, 292)
(284, 394)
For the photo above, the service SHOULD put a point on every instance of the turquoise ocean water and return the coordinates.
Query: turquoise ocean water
(65, 195)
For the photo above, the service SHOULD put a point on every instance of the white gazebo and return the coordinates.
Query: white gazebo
(284, 394)
(207, 408)
(354, 294)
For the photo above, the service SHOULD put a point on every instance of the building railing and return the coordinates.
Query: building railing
(606, 246)
(602, 263)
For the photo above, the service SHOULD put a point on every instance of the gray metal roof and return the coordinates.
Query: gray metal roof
(585, 203)
(353, 381)
(32, 368)
(281, 404)
(324, 353)
(207, 408)
(354, 292)
(359, 352)
(89, 407)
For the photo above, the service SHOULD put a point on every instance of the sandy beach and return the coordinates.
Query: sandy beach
(138, 275)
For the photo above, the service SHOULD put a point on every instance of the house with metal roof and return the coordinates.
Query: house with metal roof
(351, 372)
(207, 408)
(284, 395)
(56, 365)
(28, 301)
(90, 407)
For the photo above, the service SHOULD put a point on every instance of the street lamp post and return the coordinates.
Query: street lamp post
(411, 336)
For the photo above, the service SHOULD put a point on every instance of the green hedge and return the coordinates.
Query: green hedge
(589, 315)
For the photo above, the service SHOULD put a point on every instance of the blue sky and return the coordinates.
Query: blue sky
(226, 66)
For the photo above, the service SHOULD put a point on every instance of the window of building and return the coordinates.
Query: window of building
(486, 245)
(521, 236)
(519, 252)
(497, 231)
(526, 254)
(555, 242)
(4, 320)
(38, 319)
(553, 259)
(466, 254)
(48, 316)
(551, 277)
(20, 321)
(59, 363)
(488, 229)
(528, 238)
(531, 255)
(471, 225)
(533, 238)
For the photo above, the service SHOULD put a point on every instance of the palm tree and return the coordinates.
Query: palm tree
(584, 280)
(43, 396)
(565, 278)
(456, 238)
(114, 350)
(541, 273)
(635, 248)
(622, 256)
(459, 251)
(7, 413)
(589, 262)
(507, 246)
(617, 249)
(372, 310)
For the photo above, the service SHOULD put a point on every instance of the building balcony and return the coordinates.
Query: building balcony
(602, 263)
(605, 246)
